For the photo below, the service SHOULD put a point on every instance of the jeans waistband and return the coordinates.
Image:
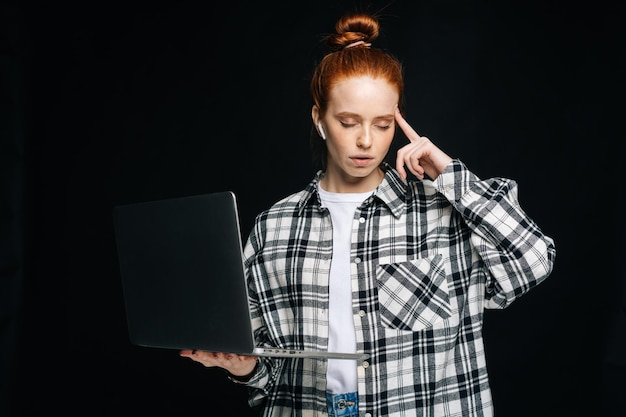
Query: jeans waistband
(343, 405)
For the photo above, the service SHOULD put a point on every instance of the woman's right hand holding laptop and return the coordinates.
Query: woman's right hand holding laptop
(240, 367)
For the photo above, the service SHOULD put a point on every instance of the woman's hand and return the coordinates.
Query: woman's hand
(420, 155)
(237, 365)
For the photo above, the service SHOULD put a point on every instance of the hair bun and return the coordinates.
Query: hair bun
(354, 30)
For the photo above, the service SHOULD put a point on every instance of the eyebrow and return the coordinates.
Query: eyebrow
(355, 115)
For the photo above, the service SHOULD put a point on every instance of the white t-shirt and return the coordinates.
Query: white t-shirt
(341, 374)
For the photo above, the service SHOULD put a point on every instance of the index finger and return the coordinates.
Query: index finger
(409, 132)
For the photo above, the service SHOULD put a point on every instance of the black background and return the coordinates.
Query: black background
(108, 103)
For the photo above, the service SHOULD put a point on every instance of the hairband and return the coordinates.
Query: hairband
(357, 43)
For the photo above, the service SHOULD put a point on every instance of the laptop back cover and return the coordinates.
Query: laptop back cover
(182, 273)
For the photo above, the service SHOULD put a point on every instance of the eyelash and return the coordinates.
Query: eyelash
(346, 125)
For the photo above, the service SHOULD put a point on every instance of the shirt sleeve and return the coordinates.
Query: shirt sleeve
(267, 370)
(516, 254)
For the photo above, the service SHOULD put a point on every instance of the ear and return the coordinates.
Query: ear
(315, 114)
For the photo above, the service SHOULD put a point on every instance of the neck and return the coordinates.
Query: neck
(348, 184)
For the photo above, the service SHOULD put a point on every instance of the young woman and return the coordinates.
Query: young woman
(366, 259)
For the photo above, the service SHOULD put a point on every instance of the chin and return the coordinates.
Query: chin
(361, 172)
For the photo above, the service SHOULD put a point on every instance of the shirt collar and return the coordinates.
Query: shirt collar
(391, 191)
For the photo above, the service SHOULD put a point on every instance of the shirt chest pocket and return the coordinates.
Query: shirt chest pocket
(413, 295)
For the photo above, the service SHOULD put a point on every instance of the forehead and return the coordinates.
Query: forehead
(363, 95)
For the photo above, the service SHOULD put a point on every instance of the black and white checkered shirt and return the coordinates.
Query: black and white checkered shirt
(427, 258)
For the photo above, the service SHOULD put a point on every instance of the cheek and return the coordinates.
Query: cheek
(335, 148)
(339, 142)
(386, 138)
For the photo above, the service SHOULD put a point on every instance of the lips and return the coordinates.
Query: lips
(361, 160)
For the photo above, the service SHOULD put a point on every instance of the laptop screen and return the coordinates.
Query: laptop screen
(182, 273)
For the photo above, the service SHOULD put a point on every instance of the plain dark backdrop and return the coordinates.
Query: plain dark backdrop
(109, 103)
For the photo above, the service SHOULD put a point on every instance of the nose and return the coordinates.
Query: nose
(364, 139)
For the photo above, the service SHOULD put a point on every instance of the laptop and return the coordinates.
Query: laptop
(183, 278)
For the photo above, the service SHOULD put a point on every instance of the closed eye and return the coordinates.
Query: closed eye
(347, 125)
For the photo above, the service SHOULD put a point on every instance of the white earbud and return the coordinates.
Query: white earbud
(321, 130)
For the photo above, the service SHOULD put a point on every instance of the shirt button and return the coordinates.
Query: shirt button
(361, 313)
(362, 220)
(365, 364)
(357, 260)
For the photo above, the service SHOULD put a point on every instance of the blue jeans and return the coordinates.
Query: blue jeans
(343, 405)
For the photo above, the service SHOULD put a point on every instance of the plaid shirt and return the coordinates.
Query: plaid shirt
(427, 258)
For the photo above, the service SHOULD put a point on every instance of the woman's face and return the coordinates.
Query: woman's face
(359, 126)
